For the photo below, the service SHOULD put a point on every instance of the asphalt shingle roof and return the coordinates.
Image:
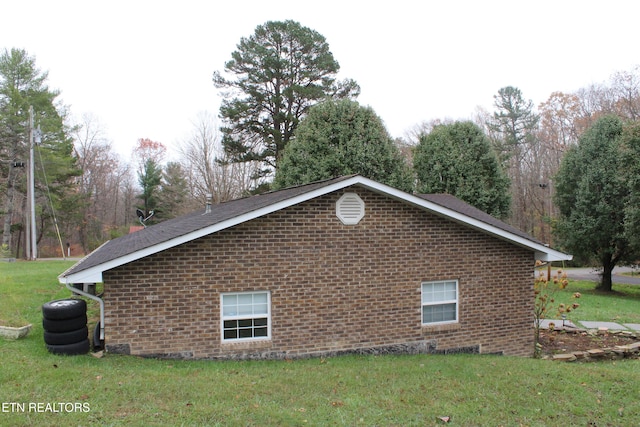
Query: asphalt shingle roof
(176, 227)
(451, 202)
(123, 248)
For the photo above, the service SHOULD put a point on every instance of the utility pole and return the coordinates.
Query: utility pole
(32, 248)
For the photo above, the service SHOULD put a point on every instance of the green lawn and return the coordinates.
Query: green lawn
(353, 391)
(25, 286)
(620, 306)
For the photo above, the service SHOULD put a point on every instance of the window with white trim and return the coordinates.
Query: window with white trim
(439, 302)
(246, 316)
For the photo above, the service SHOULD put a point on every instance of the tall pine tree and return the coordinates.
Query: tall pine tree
(23, 85)
(270, 83)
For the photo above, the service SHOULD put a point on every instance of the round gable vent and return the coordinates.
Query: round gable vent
(350, 209)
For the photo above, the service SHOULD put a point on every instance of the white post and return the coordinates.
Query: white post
(33, 255)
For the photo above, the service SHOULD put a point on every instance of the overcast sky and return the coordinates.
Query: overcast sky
(144, 68)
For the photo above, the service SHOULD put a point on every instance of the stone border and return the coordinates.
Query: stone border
(628, 351)
(417, 347)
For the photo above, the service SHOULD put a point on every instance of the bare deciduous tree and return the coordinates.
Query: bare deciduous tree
(625, 86)
(208, 167)
(102, 184)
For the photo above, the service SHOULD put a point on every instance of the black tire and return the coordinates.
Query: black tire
(98, 344)
(64, 309)
(65, 325)
(81, 347)
(62, 338)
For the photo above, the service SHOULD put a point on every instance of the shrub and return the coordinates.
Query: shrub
(545, 289)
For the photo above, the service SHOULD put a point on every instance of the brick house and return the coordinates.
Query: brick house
(346, 265)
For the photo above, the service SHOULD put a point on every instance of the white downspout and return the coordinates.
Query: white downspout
(95, 298)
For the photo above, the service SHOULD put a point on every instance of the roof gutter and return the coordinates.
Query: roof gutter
(95, 298)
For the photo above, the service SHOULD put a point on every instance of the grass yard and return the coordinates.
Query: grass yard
(620, 306)
(38, 388)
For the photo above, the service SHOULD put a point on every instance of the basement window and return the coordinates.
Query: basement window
(350, 209)
(439, 302)
(246, 316)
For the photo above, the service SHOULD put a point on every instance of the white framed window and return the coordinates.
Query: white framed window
(245, 315)
(439, 302)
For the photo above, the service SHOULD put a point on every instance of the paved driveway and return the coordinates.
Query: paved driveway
(594, 275)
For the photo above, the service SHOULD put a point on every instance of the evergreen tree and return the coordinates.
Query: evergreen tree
(457, 159)
(279, 72)
(23, 85)
(631, 162)
(342, 138)
(513, 131)
(174, 191)
(592, 192)
(514, 121)
(149, 180)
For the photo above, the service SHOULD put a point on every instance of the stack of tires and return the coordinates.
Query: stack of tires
(65, 326)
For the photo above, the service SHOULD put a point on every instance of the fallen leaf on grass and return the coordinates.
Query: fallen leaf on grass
(444, 419)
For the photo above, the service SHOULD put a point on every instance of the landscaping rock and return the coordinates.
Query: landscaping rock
(608, 353)
(635, 345)
(569, 357)
(14, 333)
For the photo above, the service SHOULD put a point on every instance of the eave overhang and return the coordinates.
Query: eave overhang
(94, 274)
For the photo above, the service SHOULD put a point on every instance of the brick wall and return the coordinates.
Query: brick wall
(334, 288)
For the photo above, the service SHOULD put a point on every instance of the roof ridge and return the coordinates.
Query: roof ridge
(194, 225)
(292, 187)
(319, 181)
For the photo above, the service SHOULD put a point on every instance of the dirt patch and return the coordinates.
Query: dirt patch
(558, 342)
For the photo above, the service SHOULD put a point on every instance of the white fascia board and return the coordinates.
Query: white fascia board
(81, 278)
(85, 276)
(553, 255)
(94, 274)
(542, 252)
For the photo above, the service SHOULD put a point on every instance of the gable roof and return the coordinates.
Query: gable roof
(173, 232)
(452, 202)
